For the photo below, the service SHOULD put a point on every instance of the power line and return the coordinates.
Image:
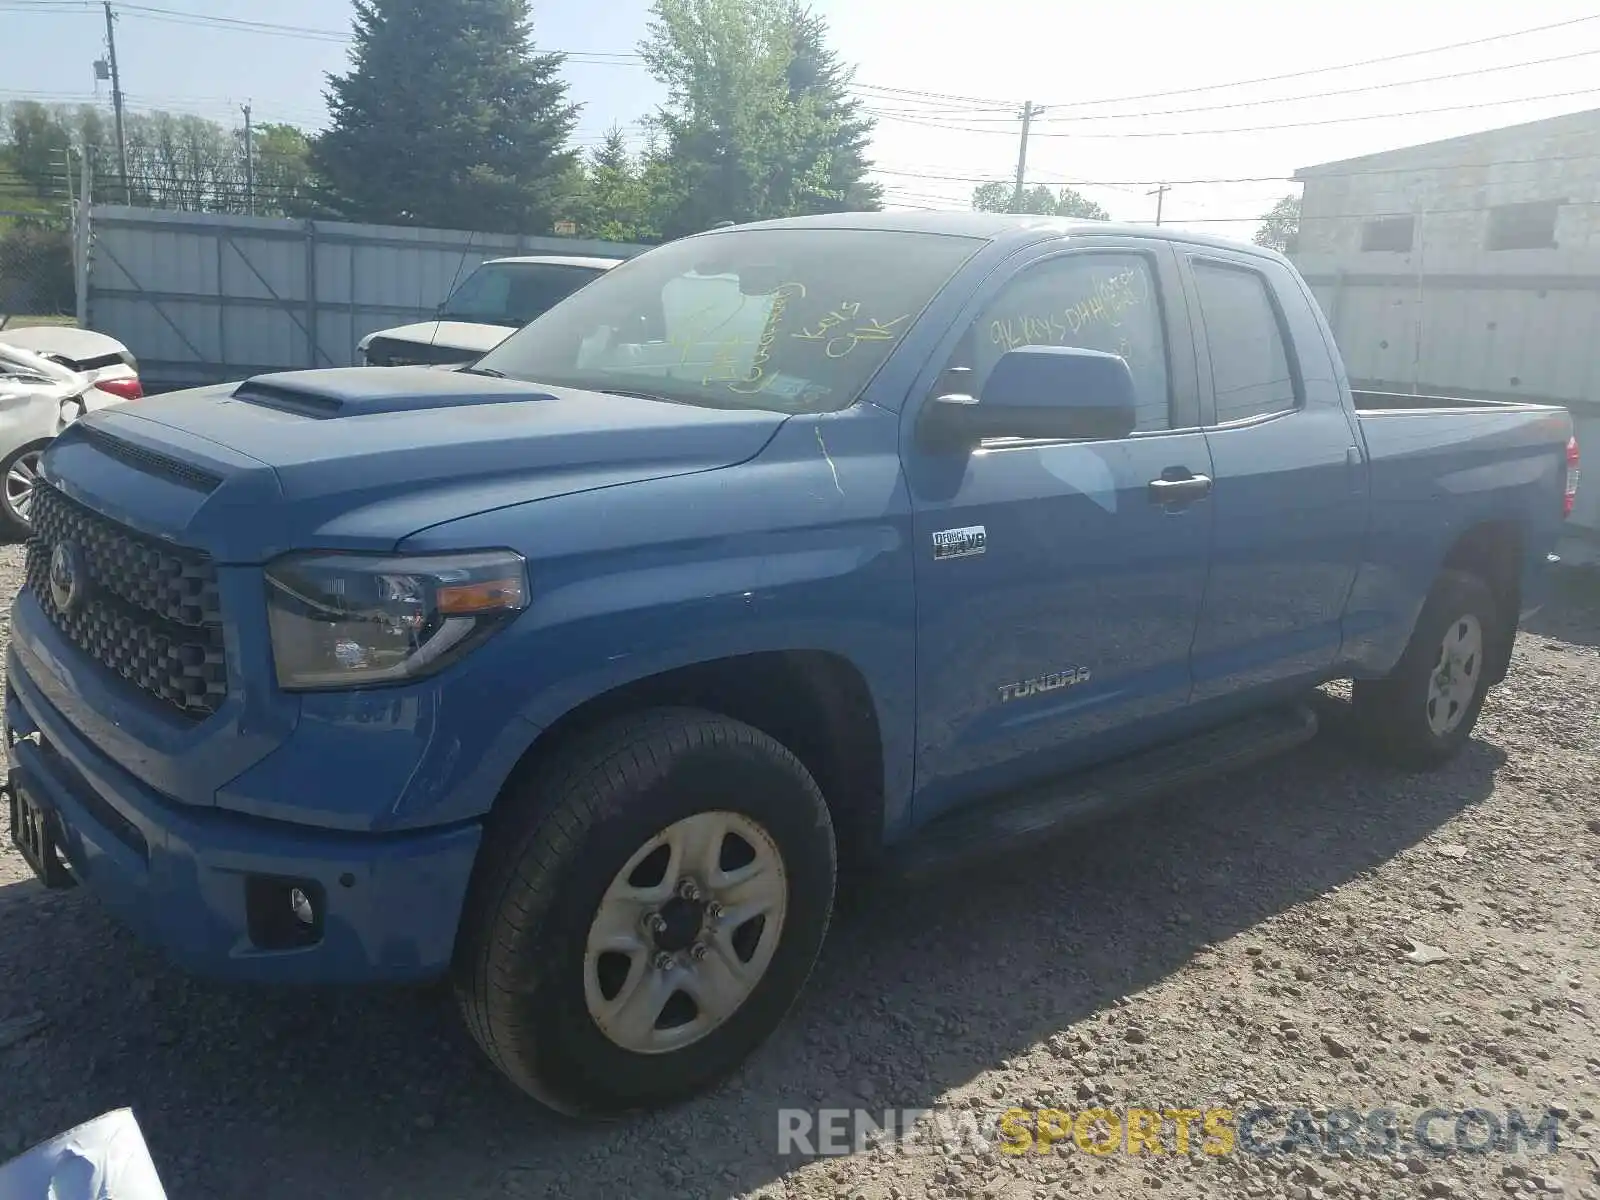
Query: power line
(907, 173)
(1180, 133)
(1370, 87)
(1366, 62)
(973, 115)
(896, 91)
(239, 24)
(991, 103)
(182, 17)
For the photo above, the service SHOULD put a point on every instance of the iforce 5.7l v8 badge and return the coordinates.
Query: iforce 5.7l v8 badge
(959, 543)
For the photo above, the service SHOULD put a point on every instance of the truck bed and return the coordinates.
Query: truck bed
(1378, 402)
(1439, 466)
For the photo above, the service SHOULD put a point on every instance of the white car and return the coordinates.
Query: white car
(497, 299)
(109, 364)
(39, 397)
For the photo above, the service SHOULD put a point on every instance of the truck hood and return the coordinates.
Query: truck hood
(470, 338)
(358, 458)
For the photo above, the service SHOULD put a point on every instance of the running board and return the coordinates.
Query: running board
(1024, 818)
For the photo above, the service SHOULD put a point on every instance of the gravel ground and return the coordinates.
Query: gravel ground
(1246, 944)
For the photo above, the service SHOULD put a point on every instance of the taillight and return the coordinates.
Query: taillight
(126, 389)
(1572, 477)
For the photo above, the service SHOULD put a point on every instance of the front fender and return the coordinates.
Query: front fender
(804, 548)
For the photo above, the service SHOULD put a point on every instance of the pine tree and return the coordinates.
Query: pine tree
(448, 118)
(614, 200)
(818, 77)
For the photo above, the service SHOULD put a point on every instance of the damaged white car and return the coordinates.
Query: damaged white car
(39, 397)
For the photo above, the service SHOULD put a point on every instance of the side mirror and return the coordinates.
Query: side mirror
(1040, 392)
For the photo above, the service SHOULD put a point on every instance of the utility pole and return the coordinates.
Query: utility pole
(1160, 194)
(1029, 112)
(116, 102)
(249, 164)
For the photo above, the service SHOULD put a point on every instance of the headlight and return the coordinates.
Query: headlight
(350, 620)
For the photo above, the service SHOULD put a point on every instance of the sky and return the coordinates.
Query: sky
(1222, 100)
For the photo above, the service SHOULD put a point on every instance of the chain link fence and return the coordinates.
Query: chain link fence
(36, 273)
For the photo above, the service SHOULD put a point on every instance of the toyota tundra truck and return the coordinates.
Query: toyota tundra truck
(866, 542)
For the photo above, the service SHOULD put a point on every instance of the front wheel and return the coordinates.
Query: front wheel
(646, 912)
(20, 473)
(1424, 711)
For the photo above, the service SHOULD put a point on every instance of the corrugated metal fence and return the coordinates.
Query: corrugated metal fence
(1502, 335)
(205, 298)
(1472, 328)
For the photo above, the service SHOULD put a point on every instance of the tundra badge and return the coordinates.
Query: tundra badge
(959, 543)
(1071, 677)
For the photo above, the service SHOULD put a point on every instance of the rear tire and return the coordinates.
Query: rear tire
(1424, 711)
(579, 904)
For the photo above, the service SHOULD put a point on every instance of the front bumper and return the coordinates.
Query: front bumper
(180, 876)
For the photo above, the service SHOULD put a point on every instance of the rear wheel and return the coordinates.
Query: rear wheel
(1424, 711)
(20, 473)
(646, 912)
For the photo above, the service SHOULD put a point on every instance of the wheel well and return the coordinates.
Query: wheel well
(1493, 552)
(815, 703)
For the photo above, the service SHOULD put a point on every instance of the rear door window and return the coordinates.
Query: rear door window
(1250, 369)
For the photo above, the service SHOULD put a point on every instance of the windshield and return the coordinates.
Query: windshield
(513, 293)
(787, 319)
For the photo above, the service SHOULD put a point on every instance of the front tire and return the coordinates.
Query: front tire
(646, 911)
(19, 476)
(1424, 711)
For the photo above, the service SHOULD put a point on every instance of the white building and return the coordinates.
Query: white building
(1469, 266)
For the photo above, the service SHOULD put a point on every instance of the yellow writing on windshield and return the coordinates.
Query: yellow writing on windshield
(700, 325)
(873, 329)
(750, 380)
(1110, 298)
(844, 312)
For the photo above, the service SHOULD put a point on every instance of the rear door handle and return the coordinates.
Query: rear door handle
(1178, 488)
(1355, 466)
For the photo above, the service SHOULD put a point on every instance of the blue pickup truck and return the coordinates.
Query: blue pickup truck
(578, 676)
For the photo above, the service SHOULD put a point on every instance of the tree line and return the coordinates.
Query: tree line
(449, 116)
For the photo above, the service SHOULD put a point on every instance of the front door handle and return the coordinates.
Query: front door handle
(1178, 488)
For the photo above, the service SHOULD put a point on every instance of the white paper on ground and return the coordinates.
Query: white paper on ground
(104, 1159)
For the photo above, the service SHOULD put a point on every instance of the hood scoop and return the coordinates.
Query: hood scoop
(366, 391)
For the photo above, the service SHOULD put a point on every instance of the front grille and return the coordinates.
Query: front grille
(145, 610)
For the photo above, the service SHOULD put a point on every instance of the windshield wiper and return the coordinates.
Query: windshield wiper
(638, 395)
(489, 371)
